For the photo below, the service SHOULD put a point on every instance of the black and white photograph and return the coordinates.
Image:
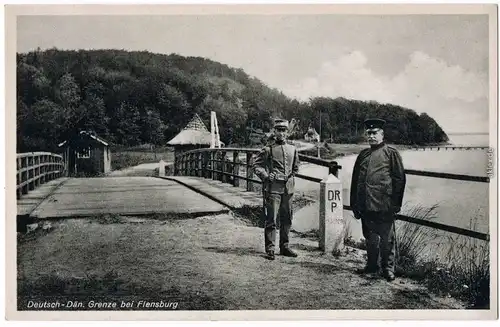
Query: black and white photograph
(251, 161)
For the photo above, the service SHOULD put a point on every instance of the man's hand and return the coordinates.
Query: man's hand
(272, 177)
(395, 209)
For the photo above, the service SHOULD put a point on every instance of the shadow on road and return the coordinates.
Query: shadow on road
(238, 251)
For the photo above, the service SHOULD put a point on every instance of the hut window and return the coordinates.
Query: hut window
(84, 153)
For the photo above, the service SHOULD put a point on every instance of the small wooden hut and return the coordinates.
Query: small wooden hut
(194, 136)
(86, 154)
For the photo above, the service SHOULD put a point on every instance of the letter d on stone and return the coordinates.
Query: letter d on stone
(331, 215)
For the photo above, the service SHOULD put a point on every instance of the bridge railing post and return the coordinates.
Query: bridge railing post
(176, 165)
(204, 156)
(42, 168)
(24, 175)
(193, 164)
(223, 167)
(19, 191)
(31, 172)
(212, 165)
(36, 183)
(249, 172)
(184, 165)
(49, 167)
(218, 165)
(161, 168)
(190, 164)
(236, 169)
(199, 164)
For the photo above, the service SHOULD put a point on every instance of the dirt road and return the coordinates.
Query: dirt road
(208, 263)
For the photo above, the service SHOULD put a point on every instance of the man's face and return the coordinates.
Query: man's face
(374, 135)
(281, 133)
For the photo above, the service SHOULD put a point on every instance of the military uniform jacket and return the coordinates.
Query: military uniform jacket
(378, 180)
(281, 158)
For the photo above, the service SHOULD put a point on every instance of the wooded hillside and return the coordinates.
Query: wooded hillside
(132, 98)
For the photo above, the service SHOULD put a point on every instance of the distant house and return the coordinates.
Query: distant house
(86, 154)
(311, 135)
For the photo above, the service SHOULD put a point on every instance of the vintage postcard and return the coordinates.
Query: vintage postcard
(251, 162)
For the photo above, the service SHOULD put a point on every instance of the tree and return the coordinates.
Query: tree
(137, 96)
(152, 127)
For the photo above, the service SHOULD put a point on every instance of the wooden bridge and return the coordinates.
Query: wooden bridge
(204, 181)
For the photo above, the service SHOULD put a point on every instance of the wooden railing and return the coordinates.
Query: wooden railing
(224, 165)
(36, 168)
(216, 164)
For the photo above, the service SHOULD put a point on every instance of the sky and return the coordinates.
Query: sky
(436, 64)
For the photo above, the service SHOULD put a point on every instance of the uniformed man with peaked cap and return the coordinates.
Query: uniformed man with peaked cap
(377, 189)
(276, 165)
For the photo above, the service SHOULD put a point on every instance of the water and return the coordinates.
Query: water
(470, 139)
(459, 203)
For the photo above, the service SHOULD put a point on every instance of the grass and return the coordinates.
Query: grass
(107, 219)
(463, 272)
(468, 275)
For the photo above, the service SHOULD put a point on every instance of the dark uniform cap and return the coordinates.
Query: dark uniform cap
(374, 123)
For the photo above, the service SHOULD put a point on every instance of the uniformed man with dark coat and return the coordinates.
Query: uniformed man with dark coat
(276, 165)
(377, 189)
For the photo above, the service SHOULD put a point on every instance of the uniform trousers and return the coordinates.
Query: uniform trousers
(278, 209)
(378, 231)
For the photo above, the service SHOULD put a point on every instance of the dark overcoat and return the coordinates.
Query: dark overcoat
(378, 180)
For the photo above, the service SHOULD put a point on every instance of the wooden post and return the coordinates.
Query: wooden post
(19, 179)
(31, 172)
(249, 172)
(331, 220)
(42, 169)
(192, 164)
(223, 167)
(24, 175)
(200, 159)
(161, 168)
(334, 168)
(204, 164)
(212, 166)
(49, 168)
(217, 165)
(184, 165)
(236, 169)
(36, 174)
(176, 165)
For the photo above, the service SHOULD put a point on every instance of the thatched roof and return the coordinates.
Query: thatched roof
(195, 133)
